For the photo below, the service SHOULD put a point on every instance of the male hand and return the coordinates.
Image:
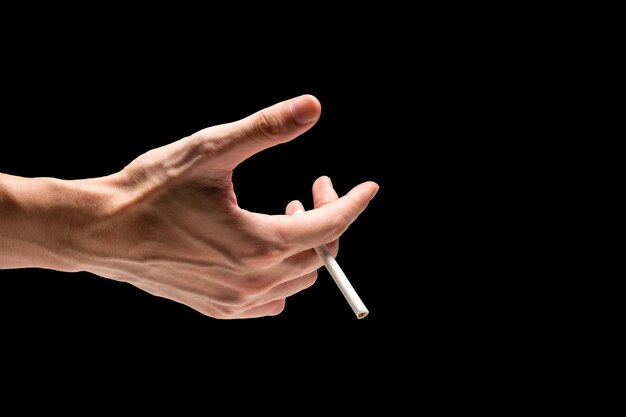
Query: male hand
(169, 222)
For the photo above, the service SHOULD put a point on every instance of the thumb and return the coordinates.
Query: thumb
(232, 143)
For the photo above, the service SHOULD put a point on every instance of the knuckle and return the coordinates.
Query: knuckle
(232, 298)
(268, 124)
(216, 314)
(212, 310)
(255, 286)
(224, 307)
(260, 253)
(259, 258)
(226, 312)
(284, 236)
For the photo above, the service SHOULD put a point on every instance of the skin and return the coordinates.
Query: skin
(169, 222)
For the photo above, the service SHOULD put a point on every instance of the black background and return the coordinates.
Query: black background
(445, 109)
(406, 101)
(81, 112)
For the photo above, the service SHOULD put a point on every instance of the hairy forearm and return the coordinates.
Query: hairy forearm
(41, 220)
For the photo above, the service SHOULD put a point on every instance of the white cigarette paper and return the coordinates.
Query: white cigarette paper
(341, 280)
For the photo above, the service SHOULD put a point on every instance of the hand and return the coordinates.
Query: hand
(169, 222)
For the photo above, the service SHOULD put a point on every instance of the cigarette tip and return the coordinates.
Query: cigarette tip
(362, 314)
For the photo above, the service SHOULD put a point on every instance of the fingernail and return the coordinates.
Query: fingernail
(304, 110)
(298, 212)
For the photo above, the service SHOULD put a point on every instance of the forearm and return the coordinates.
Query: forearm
(41, 220)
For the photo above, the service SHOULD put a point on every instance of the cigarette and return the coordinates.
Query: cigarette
(341, 280)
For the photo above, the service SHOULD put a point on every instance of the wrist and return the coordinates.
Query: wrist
(43, 220)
